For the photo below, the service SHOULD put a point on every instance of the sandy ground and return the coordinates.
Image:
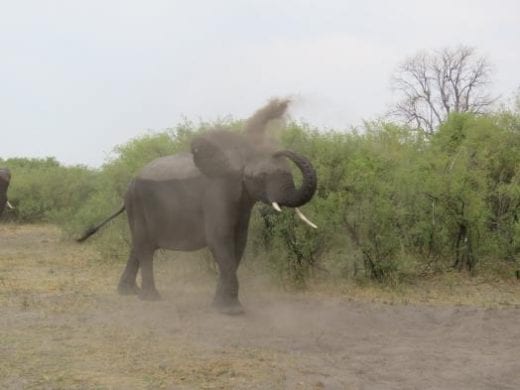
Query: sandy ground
(62, 326)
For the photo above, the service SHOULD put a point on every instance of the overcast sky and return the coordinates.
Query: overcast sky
(79, 77)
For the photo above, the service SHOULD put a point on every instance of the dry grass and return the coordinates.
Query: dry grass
(62, 326)
(447, 289)
(58, 329)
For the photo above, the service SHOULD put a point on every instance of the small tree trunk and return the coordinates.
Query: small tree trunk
(464, 257)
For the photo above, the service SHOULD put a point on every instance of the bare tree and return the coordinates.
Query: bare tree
(434, 84)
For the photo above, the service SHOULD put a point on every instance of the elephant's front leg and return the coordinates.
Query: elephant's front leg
(222, 213)
(226, 296)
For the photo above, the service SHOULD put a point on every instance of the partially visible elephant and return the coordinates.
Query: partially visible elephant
(5, 178)
(189, 201)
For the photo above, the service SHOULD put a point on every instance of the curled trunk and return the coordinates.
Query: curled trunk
(287, 194)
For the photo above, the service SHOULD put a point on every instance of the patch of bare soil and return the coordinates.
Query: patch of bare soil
(62, 326)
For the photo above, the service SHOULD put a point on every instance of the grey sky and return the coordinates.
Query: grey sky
(79, 77)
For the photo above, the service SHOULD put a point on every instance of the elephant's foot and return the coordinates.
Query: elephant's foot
(229, 307)
(231, 310)
(125, 288)
(149, 295)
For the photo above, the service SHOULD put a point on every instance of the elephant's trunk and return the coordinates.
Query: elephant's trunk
(287, 194)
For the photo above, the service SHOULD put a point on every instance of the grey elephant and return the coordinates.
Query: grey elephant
(5, 179)
(189, 201)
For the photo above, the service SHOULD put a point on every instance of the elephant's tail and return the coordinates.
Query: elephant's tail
(93, 229)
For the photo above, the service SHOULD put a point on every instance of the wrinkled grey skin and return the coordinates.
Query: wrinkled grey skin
(189, 201)
(5, 178)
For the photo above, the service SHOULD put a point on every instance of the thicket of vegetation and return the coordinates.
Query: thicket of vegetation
(44, 190)
(393, 202)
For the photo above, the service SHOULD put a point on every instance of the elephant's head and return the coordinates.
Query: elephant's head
(5, 178)
(265, 172)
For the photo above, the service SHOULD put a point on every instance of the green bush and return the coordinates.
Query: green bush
(396, 204)
(42, 190)
(391, 203)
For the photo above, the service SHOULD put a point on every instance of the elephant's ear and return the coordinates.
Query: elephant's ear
(219, 153)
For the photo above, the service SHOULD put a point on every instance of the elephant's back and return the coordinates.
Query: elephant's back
(176, 167)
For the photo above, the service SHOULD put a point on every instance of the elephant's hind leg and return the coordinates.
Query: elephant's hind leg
(127, 283)
(148, 291)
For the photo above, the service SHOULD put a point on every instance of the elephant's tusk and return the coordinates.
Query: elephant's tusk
(305, 219)
(276, 206)
(9, 205)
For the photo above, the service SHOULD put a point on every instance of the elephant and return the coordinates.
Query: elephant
(204, 198)
(5, 178)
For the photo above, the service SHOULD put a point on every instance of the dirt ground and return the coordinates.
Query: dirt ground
(63, 326)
